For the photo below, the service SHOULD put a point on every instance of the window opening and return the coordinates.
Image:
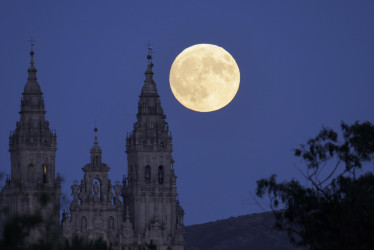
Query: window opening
(44, 173)
(160, 174)
(147, 174)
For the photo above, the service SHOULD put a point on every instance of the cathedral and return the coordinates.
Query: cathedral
(143, 209)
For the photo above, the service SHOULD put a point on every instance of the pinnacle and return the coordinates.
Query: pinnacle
(32, 70)
(32, 86)
(149, 87)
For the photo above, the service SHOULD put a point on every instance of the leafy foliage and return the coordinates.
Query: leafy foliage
(18, 228)
(336, 209)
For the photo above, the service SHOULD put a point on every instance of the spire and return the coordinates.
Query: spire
(96, 164)
(32, 101)
(149, 87)
(32, 70)
(32, 86)
(96, 152)
(149, 72)
(151, 126)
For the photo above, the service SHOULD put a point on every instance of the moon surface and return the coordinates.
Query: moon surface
(204, 77)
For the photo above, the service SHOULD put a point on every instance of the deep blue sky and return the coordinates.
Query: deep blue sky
(303, 64)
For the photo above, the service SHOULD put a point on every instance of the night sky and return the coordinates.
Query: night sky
(303, 64)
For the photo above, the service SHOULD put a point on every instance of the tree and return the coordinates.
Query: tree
(335, 210)
(17, 229)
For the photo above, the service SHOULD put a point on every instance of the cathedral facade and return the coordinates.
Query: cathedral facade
(143, 209)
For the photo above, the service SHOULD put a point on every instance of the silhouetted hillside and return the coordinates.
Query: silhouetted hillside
(247, 232)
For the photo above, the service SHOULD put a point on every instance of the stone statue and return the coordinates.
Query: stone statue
(96, 191)
(82, 194)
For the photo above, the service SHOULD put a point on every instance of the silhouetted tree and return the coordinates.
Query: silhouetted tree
(17, 228)
(335, 210)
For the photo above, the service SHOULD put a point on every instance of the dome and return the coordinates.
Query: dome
(32, 87)
(95, 149)
(149, 87)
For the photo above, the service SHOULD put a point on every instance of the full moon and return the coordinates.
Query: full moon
(204, 78)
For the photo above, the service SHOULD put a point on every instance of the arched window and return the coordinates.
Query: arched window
(30, 173)
(83, 224)
(160, 174)
(44, 173)
(111, 223)
(147, 174)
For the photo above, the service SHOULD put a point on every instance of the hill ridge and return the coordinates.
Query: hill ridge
(251, 231)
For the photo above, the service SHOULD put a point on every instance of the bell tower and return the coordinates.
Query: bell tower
(151, 193)
(32, 187)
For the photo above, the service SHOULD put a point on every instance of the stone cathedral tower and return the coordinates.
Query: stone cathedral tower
(32, 187)
(151, 193)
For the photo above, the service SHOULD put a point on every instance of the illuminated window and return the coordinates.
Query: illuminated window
(44, 173)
